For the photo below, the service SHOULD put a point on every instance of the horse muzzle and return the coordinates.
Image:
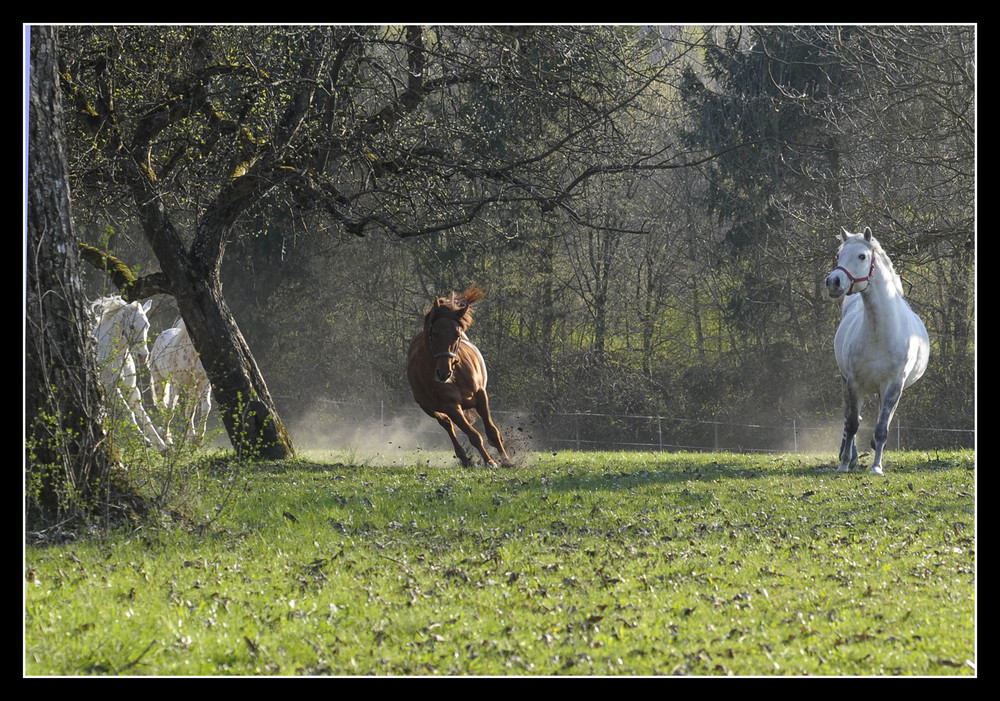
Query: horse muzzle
(835, 281)
(442, 372)
(835, 285)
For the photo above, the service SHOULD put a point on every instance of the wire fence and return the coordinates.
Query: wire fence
(384, 423)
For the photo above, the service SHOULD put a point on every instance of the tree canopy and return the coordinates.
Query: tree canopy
(652, 209)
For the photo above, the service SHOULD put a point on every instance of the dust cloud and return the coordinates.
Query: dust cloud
(395, 437)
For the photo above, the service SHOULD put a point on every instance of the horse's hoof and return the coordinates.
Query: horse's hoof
(843, 469)
(877, 470)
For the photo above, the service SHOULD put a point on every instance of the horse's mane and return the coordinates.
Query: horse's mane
(105, 305)
(455, 306)
(883, 259)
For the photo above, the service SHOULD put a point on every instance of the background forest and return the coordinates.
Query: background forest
(652, 210)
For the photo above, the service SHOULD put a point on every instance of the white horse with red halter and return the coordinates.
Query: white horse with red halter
(121, 333)
(179, 377)
(881, 345)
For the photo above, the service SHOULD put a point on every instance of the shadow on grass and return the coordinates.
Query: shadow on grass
(689, 480)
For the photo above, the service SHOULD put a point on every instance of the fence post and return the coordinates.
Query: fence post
(795, 437)
(659, 432)
(716, 427)
(381, 423)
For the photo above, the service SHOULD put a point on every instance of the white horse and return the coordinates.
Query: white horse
(120, 333)
(177, 374)
(881, 345)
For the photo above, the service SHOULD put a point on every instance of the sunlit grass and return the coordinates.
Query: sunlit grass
(572, 563)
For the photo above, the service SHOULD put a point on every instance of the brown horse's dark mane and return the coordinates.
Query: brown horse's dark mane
(455, 306)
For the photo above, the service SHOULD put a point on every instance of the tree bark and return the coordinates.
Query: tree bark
(247, 411)
(192, 274)
(246, 407)
(68, 458)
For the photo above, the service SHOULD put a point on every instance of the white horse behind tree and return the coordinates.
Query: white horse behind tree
(121, 334)
(881, 345)
(179, 379)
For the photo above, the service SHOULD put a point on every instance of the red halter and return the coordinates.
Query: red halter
(855, 280)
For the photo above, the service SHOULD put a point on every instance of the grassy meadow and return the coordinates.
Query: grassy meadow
(568, 564)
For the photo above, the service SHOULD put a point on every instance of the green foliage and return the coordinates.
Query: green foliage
(54, 480)
(652, 210)
(577, 564)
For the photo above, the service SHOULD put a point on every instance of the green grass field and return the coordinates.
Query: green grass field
(569, 564)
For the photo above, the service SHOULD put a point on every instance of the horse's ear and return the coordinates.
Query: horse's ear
(431, 313)
(868, 234)
(844, 233)
(146, 306)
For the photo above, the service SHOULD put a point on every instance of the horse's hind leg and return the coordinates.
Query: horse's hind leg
(206, 408)
(192, 432)
(890, 399)
(168, 411)
(852, 419)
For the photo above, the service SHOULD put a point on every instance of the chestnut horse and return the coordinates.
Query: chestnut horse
(447, 374)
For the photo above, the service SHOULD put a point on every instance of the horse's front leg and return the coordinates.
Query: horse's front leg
(890, 400)
(483, 407)
(140, 419)
(852, 419)
(448, 426)
(458, 417)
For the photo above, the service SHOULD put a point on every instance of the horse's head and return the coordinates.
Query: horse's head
(855, 264)
(444, 329)
(133, 325)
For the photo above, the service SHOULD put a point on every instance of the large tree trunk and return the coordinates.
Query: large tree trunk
(67, 455)
(192, 274)
(251, 420)
(247, 410)
(245, 404)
